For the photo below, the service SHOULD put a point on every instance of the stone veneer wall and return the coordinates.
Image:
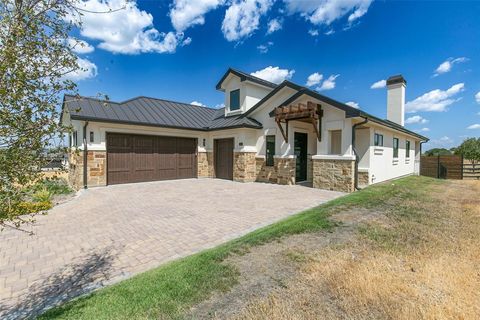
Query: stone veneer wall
(285, 170)
(363, 178)
(205, 165)
(335, 175)
(96, 169)
(309, 169)
(244, 167)
(265, 173)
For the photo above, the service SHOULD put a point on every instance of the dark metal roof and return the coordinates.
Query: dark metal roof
(243, 77)
(154, 112)
(396, 79)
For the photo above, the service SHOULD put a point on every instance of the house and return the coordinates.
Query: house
(283, 134)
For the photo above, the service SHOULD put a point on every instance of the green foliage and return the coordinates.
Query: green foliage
(438, 152)
(30, 208)
(470, 149)
(34, 61)
(166, 292)
(42, 195)
(54, 186)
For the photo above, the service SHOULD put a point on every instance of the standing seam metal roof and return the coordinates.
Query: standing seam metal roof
(154, 112)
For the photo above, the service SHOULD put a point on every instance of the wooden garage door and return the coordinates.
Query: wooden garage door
(137, 158)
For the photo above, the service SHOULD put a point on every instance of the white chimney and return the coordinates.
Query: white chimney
(396, 99)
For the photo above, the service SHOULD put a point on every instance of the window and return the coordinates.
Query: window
(336, 142)
(91, 136)
(270, 150)
(235, 100)
(407, 149)
(378, 140)
(74, 139)
(395, 147)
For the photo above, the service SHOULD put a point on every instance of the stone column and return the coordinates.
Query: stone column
(244, 167)
(205, 165)
(96, 169)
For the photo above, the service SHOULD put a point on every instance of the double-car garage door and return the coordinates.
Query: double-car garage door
(138, 158)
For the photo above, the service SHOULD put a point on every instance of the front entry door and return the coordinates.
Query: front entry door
(300, 150)
(224, 159)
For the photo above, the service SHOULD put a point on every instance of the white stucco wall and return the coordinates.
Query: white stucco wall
(333, 119)
(382, 165)
(250, 94)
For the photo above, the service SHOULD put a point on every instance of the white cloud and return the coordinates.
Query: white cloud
(329, 83)
(313, 32)
(447, 65)
(477, 97)
(474, 126)
(274, 74)
(79, 46)
(220, 105)
(416, 119)
(379, 84)
(329, 32)
(435, 100)
(263, 48)
(325, 12)
(87, 70)
(196, 103)
(243, 17)
(424, 130)
(128, 30)
(186, 13)
(314, 79)
(274, 25)
(353, 104)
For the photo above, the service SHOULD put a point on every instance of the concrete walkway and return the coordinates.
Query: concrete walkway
(111, 233)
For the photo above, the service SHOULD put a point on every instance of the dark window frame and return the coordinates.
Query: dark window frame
(396, 145)
(234, 108)
(407, 149)
(92, 137)
(75, 138)
(376, 138)
(269, 153)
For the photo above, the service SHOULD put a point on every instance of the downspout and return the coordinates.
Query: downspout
(357, 158)
(85, 157)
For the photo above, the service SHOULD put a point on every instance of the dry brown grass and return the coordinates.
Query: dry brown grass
(421, 263)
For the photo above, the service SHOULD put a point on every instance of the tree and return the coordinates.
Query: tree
(470, 149)
(437, 152)
(34, 60)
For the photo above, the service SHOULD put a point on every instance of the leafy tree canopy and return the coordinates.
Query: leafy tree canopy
(34, 61)
(470, 149)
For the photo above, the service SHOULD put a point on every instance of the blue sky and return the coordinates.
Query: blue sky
(179, 49)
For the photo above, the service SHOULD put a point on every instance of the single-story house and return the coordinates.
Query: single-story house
(277, 133)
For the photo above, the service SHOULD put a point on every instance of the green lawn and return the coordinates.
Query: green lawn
(168, 291)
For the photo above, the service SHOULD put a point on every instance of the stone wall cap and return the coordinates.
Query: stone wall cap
(288, 156)
(332, 157)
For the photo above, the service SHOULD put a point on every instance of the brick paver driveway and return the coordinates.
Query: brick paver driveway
(108, 234)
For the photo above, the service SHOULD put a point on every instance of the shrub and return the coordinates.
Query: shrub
(42, 195)
(31, 207)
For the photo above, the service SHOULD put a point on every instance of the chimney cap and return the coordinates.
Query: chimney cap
(396, 79)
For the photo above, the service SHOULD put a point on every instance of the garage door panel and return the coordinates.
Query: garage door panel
(136, 158)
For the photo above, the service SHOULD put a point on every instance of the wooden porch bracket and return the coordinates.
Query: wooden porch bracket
(310, 112)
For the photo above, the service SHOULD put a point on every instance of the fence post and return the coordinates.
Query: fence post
(438, 166)
(462, 166)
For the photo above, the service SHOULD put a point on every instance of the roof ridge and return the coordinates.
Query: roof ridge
(255, 77)
(91, 98)
(167, 100)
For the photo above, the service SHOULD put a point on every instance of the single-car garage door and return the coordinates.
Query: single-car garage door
(138, 158)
